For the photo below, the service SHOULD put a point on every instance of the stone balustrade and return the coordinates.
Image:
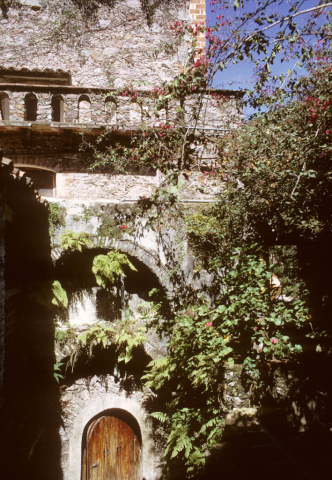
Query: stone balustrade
(211, 109)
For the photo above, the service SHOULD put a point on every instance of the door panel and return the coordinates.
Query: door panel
(112, 451)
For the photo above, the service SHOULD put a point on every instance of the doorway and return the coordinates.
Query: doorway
(111, 448)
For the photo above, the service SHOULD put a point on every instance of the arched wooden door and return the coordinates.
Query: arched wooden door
(111, 451)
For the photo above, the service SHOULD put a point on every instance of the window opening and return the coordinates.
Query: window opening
(84, 109)
(31, 107)
(110, 109)
(4, 106)
(57, 108)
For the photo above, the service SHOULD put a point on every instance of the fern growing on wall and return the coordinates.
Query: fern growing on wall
(60, 298)
(75, 241)
(108, 268)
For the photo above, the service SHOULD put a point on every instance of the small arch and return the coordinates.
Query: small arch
(110, 110)
(31, 104)
(4, 106)
(57, 108)
(84, 109)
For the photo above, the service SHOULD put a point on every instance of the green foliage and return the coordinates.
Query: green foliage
(203, 338)
(50, 294)
(125, 335)
(60, 298)
(56, 216)
(127, 339)
(64, 334)
(284, 175)
(87, 214)
(107, 268)
(75, 241)
(97, 334)
(57, 369)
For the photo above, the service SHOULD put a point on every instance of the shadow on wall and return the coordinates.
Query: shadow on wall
(30, 414)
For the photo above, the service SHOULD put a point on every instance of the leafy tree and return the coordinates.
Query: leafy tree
(277, 190)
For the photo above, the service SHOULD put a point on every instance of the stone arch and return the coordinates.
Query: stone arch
(57, 108)
(109, 402)
(89, 302)
(84, 109)
(31, 107)
(141, 253)
(4, 106)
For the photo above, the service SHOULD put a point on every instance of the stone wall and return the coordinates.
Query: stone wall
(102, 44)
(89, 186)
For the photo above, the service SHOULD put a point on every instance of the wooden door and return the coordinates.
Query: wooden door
(112, 451)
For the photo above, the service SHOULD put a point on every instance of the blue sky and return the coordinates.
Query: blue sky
(238, 77)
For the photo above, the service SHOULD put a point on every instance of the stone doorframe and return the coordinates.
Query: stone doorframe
(150, 460)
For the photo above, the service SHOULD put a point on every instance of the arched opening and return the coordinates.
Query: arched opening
(110, 109)
(31, 107)
(89, 303)
(111, 447)
(57, 108)
(4, 106)
(43, 179)
(84, 109)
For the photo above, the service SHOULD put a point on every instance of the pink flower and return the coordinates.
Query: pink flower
(209, 324)
(327, 132)
(274, 340)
